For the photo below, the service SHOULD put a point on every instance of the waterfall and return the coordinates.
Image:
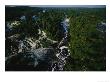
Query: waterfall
(63, 51)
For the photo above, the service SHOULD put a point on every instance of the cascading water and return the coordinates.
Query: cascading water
(63, 51)
(33, 55)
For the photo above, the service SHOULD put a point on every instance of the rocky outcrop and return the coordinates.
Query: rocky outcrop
(36, 53)
(101, 27)
(39, 59)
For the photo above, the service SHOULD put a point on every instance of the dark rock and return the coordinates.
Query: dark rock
(36, 60)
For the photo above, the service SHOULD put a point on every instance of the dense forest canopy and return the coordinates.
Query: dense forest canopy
(86, 43)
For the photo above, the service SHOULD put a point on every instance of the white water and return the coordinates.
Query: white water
(64, 52)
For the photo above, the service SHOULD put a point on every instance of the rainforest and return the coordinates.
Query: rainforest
(55, 38)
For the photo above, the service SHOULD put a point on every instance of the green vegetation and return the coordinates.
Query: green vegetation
(87, 45)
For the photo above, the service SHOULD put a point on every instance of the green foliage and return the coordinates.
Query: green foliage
(87, 44)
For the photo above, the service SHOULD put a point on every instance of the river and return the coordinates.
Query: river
(63, 50)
